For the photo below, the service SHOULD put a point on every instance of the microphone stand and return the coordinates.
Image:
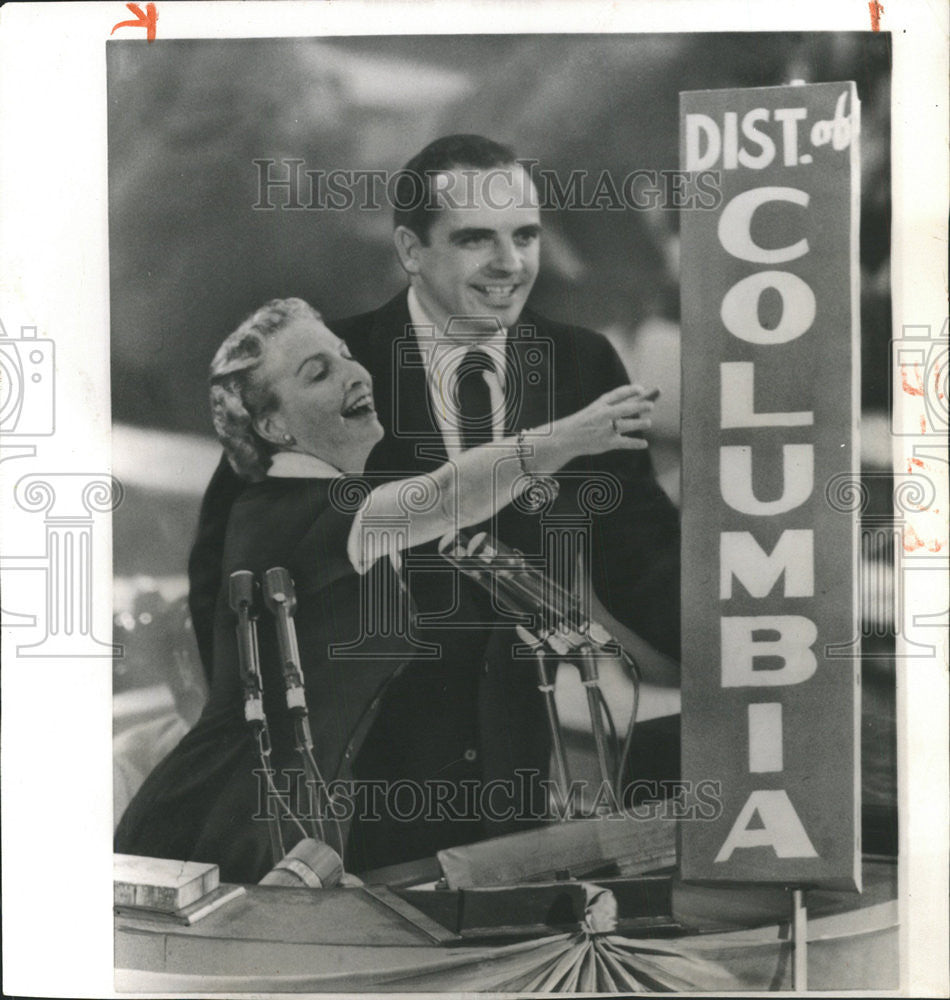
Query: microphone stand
(281, 600)
(525, 589)
(242, 595)
(546, 687)
(590, 678)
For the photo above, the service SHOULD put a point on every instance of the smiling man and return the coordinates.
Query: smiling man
(471, 248)
(469, 242)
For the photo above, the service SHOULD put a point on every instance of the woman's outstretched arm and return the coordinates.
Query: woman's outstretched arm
(483, 480)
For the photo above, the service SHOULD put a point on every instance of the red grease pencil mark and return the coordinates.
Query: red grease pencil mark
(876, 9)
(145, 20)
(911, 390)
(912, 540)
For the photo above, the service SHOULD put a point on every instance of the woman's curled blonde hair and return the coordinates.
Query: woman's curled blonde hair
(238, 395)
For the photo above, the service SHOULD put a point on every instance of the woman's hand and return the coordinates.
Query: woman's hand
(608, 423)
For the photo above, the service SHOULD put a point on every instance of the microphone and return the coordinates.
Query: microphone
(242, 597)
(311, 863)
(281, 600)
(557, 610)
(243, 594)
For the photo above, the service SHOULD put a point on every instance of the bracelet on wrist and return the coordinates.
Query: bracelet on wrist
(543, 488)
(523, 452)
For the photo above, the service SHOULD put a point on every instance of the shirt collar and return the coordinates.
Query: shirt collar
(496, 343)
(297, 465)
(416, 313)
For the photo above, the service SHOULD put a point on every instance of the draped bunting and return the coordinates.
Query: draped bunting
(595, 963)
(853, 950)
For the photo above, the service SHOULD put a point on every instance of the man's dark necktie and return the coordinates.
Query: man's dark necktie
(474, 396)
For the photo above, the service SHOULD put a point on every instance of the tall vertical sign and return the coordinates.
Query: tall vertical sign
(770, 413)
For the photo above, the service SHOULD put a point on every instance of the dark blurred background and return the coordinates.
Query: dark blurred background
(190, 257)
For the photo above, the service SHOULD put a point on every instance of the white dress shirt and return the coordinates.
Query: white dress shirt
(442, 358)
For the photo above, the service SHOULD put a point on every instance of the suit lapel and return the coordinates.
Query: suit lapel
(529, 375)
(413, 442)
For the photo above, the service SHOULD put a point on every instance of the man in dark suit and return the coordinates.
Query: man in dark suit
(458, 359)
(468, 236)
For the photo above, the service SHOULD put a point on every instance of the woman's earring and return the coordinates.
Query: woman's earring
(288, 439)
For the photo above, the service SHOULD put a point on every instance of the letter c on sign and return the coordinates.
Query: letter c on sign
(735, 225)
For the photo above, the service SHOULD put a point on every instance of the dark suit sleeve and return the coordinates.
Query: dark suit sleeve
(321, 557)
(636, 546)
(204, 563)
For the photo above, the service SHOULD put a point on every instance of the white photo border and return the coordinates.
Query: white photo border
(55, 275)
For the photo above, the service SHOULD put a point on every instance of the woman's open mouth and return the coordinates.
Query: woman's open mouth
(361, 406)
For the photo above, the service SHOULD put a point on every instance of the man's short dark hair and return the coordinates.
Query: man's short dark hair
(414, 204)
